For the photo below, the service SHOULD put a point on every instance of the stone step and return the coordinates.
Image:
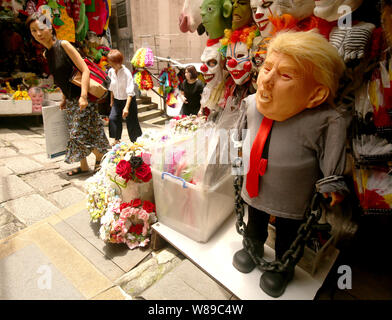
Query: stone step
(145, 107)
(157, 121)
(150, 114)
(143, 100)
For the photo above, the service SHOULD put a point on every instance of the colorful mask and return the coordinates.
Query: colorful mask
(299, 9)
(242, 14)
(329, 9)
(239, 62)
(212, 68)
(261, 11)
(216, 17)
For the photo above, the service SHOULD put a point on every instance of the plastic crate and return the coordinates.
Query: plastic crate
(193, 210)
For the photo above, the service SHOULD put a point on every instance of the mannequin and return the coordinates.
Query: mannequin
(216, 17)
(242, 14)
(296, 86)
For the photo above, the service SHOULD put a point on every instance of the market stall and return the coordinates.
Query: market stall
(25, 84)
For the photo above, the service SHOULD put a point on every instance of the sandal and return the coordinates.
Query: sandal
(76, 172)
(97, 166)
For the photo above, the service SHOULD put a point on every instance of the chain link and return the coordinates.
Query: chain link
(291, 257)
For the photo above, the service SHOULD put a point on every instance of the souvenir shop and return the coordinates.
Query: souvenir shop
(25, 84)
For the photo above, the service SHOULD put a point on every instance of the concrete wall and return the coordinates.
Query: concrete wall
(155, 24)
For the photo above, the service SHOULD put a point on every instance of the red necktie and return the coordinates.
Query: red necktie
(257, 165)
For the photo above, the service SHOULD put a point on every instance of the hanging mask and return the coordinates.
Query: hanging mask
(242, 14)
(238, 62)
(261, 11)
(299, 9)
(211, 68)
(329, 9)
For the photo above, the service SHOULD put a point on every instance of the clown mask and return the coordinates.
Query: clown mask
(299, 9)
(329, 9)
(261, 11)
(211, 68)
(239, 62)
(242, 14)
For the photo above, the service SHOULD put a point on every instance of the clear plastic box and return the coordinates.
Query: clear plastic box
(197, 211)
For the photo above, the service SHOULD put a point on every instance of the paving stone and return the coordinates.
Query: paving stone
(46, 182)
(68, 197)
(28, 274)
(120, 254)
(22, 165)
(187, 282)
(5, 217)
(106, 266)
(31, 209)
(9, 136)
(10, 228)
(146, 274)
(4, 171)
(6, 152)
(12, 187)
(27, 147)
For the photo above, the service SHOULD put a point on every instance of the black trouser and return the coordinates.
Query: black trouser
(115, 120)
(286, 230)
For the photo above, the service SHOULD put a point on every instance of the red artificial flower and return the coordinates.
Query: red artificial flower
(124, 169)
(144, 173)
(124, 205)
(148, 206)
(138, 229)
(136, 203)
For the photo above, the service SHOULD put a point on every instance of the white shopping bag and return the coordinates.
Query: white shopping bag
(55, 129)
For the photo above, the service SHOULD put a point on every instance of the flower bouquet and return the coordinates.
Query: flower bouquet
(128, 222)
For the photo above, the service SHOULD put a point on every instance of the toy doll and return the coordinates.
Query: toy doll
(37, 97)
(298, 145)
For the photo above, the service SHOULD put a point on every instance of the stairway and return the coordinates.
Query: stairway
(149, 113)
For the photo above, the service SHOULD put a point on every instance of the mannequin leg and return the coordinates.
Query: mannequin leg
(257, 233)
(275, 283)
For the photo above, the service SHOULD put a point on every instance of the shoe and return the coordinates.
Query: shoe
(76, 172)
(243, 262)
(274, 283)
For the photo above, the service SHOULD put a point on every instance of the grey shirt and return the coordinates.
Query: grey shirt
(306, 152)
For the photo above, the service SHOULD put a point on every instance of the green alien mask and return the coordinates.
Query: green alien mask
(216, 17)
(242, 14)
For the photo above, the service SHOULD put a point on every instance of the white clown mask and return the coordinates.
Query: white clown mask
(261, 11)
(238, 62)
(299, 9)
(212, 68)
(329, 9)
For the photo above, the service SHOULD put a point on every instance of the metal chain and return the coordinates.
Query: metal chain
(291, 257)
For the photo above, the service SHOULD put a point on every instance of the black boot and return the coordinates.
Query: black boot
(275, 283)
(243, 262)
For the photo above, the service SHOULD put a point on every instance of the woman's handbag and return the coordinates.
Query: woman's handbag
(99, 81)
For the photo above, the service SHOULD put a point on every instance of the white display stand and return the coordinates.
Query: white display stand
(215, 258)
(16, 107)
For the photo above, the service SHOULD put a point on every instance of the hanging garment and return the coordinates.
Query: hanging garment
(97, 19)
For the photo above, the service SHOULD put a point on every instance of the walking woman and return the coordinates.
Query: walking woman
(123, 100)
(86, 132)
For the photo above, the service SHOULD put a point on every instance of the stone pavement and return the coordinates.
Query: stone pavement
(49, 248)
